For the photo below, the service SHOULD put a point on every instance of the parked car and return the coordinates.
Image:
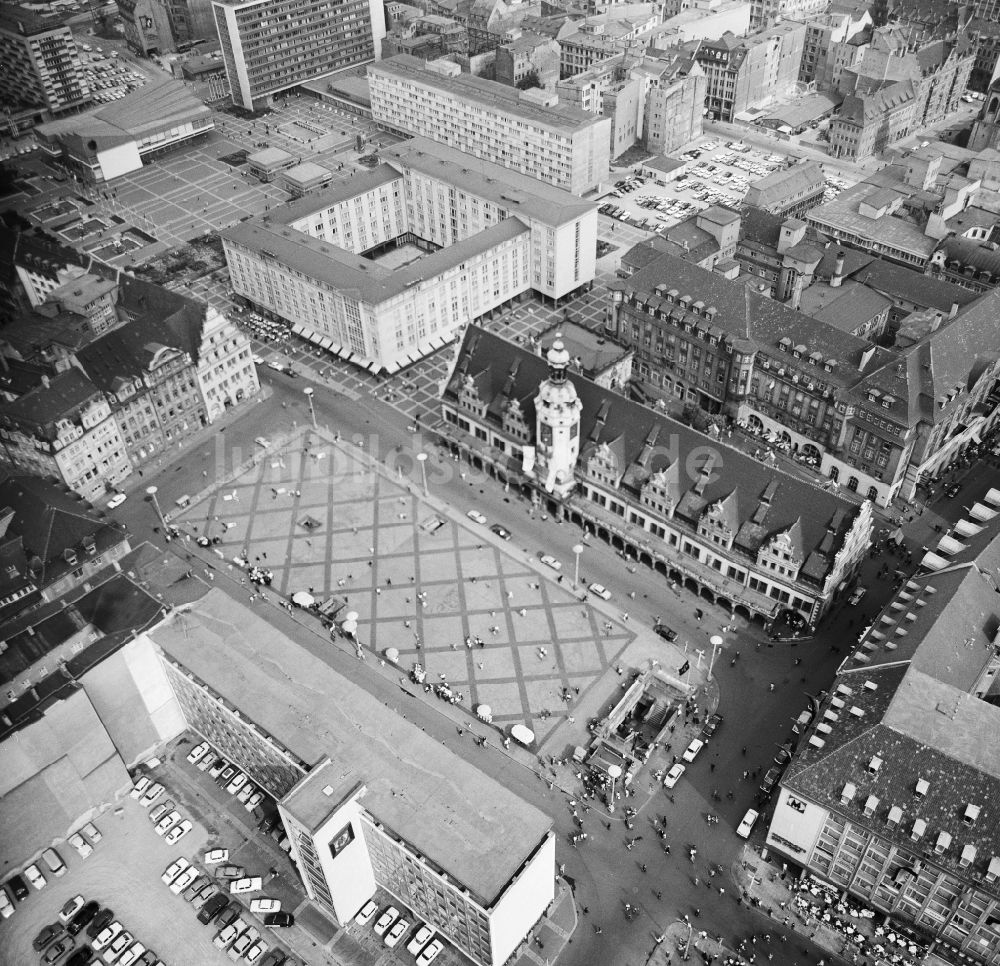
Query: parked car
(118, 945)
(393, 936)
(500, 531)
(673, 776)
(197, 752)
(253, 801)
(245, 792)
(260, 906)
(158, 811)
(255, 952)
(243, 942)
(174, 869)
(550, 561)
(208, 891)
(746, 826)
(81, 957)
(19, 887)
(278, 920)
(53, 862)
(48, 934)
(430, 953)
(275, 958)
(229, 913)
(90, 909)
(183, 880)
(6, 906)
(386, 920)
(367, 911)
(166, 822)
(129, 957)
(195, 887)
(151, 794)
(57, 950)
(420, 938)
(229, 872)
(140, 786)
(217, 767)
(667, 633)
(116, 501)
(213, 908)
(476, 517)
(857, 596)
(599, 590)
(250, 883)
(236, 783)
(711, 725)
(225, 774)
(80, 844)
(691, 752)
(225, 936)
(770, 779)
(35, 877)
(70, 908)
(100, 922)
(215, 856)
(207, 761)
(107, 935)
(178, 832)
(92, 832)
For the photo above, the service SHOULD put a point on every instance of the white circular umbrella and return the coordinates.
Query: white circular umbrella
(485, 712)
(351, 615)
(392, 655)
(302, 599)
(349, 627)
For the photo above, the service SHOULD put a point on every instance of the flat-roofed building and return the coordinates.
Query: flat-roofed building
(267, 164)
(302, 178)
(528, 131)
(270, 46)
(367, 798)
(482, 236)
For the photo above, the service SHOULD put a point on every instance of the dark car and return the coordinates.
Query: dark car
(19, 887)
(228, 915)
(212, 908)
(667, 633)
(500, 531)
(274, 958)
(772, 776)
(279, 920)
(57, 950)
(81, 957)
(711, 725)
(148, 958)
(100, 922)
(83, 917)
(50, 933)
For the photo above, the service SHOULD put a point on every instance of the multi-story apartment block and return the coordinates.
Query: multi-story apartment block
(889, 797)
(675, 101)
(353, 786)
(727, 526)
(856, 409)
(190, 20)
(65, 428)
(493, 235)
(597, 38)
(528, 131)
(825, 34)
(269, 46)
(747, 72)
(42, 69)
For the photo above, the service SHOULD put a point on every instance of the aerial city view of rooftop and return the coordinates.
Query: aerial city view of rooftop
(500, 483)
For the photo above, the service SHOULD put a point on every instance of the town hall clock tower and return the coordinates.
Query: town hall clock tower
(557, 426)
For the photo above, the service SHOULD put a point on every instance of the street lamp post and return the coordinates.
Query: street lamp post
(687, 945)
(312, 411)
(716, 642)
(151, 492)
(577, 550)
(422, 460)
(614, 773)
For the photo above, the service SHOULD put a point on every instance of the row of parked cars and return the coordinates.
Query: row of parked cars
(110, 942)
(227, 775)
(167, 821)
(391, 927)
(17, 885)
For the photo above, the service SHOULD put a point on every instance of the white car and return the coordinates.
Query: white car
(550, 561)
(184, 880)
(178, 832)
(386, 920)
(119, 944)
(263, 440)
(250, 883)
(691, 752)
(173, 870)
(150, 795)
(35, 877)
(857, 596)
(261, 907)
(236, 783)
(131, 954)
(92, 832)
(158, 811)
(168, 820)
(141, 784)
(599, 590)
(253, 954)
(106, 935)
(116, 501)
(245, 792)
(476, 517)
(216, 856)
(70, 909)
(253, 801)
(206, 762)
(430, 953)
(198, 752)
(80, 844)
(393, 936)
(674, 775)
(6, 907)
(746, 826)
(420, 939)
(368, 910)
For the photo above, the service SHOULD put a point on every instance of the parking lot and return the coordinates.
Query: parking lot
(717, 173)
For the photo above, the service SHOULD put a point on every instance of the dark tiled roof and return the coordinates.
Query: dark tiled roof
(760, 227)
(854, 307)
(156, 310)
(761, 500)
(63, 396)
(775, 189)
(898, 281)
(971, 253)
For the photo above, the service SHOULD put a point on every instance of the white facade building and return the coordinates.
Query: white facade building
(528, 131)
(226, 371)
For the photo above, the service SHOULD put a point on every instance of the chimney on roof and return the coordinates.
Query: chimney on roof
(936, 321)
(954, 310)
(837, 279)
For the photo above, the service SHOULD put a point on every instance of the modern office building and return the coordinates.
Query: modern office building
(269, 46)
(528, 131)
(42, 71)
(367, 798)
(118, 138)
(481, 236)
(889, 797)
(738, 531)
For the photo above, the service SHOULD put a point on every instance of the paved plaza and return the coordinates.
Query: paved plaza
(422, 579)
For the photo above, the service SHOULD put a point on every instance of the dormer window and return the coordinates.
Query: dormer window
(971, 814)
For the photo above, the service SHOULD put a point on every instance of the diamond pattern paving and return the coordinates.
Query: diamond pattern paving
(331, 523)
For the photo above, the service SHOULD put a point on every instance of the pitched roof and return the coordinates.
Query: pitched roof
(763, 501)
(40, 408)
(898, 281)
(774, 190)
(853, 307)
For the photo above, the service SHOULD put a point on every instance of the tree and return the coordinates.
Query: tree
(528, 81)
